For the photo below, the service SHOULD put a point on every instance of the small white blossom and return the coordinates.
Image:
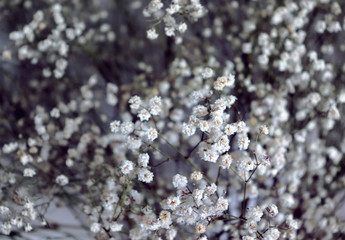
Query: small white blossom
(263, 130)
(62, 180)
(115, 126)
(144, 115)
(144, 175)
(225, 161)
(200, 228)
(188, 129)
(29, 172)
(116, 227)
(95, 227)
(152, 134)
(243, 141)
(134, 102)
(272, 210)
(151, 34)
(179, 181)
(143, 159)
(173, 202)
(127, 167)
(254, 213)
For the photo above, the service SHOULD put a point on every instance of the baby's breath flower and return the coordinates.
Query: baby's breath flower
(179, 181)
(196, 176)
(173, 202)
(200, 228)
(144, 175)
(134, 102)
(151, 134)
(151, 34)
(62, 180)
(272, 210)
(254, 213)
(263, 130)
(225, 161)
(143, 159)
(29, 172)
(127, 167)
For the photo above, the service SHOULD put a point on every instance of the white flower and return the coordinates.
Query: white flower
(144, 115)
(126, 128)
(115, 126)
(207, 73)
(225, 161)
(116, 227)
(292, 224)
(204, 126)
(144, 175)
(196, 176)
(173, 202)
(62, 180)
(243, 141)
(95, 227)
(29, 172)
(188, 129)
(222, 204)
(245, 163)
(134, 102)
(200, 228)
(272, 234)
(151, 133)
(179, 181)
(272, 210)
(182, 27)
(143, 159)
(263, 130)
(254, 213)
(151, 34)
(127, 166)
(230, 129)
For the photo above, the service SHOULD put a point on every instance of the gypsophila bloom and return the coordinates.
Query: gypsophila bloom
(134, 102)
(151, 34)
(179, 181)
(173, 202)
(251, 226)
(144, 115)
(62, 180)
(127, 167)
(188, 129)
(207, 73)
(115, 126)
(143, 159)
(230, 129)
(225, 161)
(95, 227)
(152, 134)
(245, 163)
(247, 238)
(292, 224)
(126, 128)
(200, 228)
(263, 130)
(272, 234)
(254, 213)
(265, 161)
(222, 204)
(116, 227)
(272, 210)
(144, 175)
(243, 141)
(196, 176)
(29, 172)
